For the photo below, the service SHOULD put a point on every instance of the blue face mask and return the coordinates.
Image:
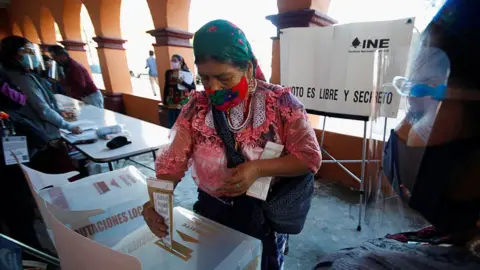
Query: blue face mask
(29, 61)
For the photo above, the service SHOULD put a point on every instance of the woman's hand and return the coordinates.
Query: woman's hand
(77, 130)
(154, 221)
(69, 116)
(243, 176)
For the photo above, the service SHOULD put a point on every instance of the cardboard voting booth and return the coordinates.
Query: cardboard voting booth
(99, 221)
(332, 69)
(346, 71)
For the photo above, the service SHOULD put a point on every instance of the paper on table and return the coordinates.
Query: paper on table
(84, 136)
(83, 124)
(187, 78)
(260, 188)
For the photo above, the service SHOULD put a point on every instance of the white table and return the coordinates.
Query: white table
(145, 137)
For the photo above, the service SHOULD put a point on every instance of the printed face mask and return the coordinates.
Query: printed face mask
(225, 99)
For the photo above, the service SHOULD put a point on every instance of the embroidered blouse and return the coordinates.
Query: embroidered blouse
(277, 116)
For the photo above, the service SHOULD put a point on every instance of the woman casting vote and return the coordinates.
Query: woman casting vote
(220, 136)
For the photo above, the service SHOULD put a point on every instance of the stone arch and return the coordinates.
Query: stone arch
(170, 14)
(47, 26)
(30, 31)
(71, 20)
(16, 30)
(105, 16)
(177, 14)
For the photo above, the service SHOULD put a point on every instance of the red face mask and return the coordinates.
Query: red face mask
(225, 99)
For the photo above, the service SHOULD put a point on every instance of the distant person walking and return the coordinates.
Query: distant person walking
(77, 80)
(152, 71)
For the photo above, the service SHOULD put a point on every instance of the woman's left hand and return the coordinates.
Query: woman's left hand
(243, 176)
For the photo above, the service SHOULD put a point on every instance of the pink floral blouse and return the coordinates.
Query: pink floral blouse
(277, 117)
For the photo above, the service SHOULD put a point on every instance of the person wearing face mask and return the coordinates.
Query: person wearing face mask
(221, 133)
(40, 118)
(178, 84)
(77, 81)
(431, 158)
(152, 71)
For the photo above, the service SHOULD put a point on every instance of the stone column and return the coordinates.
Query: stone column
(115, 72)
(170, 41)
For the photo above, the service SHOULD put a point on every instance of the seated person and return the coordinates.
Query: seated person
(432, 156)
(40, 119)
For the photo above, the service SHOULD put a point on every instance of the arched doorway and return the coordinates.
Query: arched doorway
(88, 32)
(134, 27)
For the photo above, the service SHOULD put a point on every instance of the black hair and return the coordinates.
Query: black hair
(150, 53)
(46, 58)
(240, 64)
(57, 50)
(9, 49)
(183, 65)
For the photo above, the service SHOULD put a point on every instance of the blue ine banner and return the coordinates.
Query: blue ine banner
(347, 69)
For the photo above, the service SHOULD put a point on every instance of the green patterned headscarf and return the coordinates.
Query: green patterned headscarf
(222, 39)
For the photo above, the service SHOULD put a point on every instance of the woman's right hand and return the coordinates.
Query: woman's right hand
(77, 130)
(154, 221)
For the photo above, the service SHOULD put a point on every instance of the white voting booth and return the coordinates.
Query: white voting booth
(97, 223)
(342, 71)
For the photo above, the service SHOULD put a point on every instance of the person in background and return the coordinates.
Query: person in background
(39, 119)
(77, 79)
(432, 156)
(178, 84)
(152, 71)
(221, 134)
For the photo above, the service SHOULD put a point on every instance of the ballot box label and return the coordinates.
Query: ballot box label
(15, 146)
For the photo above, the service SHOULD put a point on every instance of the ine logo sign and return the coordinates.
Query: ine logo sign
(369, 45)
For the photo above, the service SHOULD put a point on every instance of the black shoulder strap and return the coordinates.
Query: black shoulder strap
(234, 158)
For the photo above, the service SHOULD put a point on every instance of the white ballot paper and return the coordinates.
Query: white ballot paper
(161, 194)
(187, 77)
(260, 188)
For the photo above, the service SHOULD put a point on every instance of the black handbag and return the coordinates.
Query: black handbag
(288, 201)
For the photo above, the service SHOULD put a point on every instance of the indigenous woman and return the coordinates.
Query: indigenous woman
(221, 134)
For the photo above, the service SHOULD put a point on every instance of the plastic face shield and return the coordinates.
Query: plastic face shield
(32, 54)
(409, 166)
(53, 69)
(395, 156)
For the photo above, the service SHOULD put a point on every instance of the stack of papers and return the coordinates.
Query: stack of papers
(85, 125)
